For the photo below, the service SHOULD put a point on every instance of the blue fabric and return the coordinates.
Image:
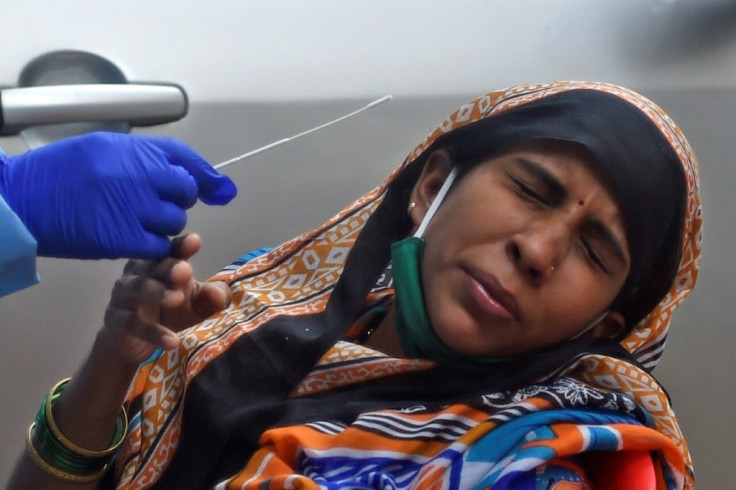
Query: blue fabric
(254, 254)
(17, 253)
(511, 462)
(247, 257)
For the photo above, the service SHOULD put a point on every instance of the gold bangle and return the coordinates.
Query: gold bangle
(55, 472)
(69, 444)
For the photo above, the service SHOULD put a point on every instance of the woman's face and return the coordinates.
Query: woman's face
(526, 251)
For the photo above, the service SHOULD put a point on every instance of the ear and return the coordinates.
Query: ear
(610, 326)
(435, 171)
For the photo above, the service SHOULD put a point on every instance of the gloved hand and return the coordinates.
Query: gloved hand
(109, 195)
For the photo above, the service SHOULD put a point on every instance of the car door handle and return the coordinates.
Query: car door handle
(135, 103)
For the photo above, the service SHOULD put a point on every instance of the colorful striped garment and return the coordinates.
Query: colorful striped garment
(277, 391)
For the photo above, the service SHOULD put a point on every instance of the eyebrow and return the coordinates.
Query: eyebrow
(557, 193)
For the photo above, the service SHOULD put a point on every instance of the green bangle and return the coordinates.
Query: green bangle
(62, 457)
(55, 472)
(64, 454)
(120, 430)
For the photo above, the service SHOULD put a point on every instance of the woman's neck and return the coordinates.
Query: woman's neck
(385, 338)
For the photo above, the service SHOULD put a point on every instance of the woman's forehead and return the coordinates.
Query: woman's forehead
(564, 156)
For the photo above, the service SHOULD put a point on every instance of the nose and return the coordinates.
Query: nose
(539, 248)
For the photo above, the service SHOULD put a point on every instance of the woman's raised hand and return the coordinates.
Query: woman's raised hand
(149, 304)
(155, 299)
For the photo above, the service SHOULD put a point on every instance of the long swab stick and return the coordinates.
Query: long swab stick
(286, 140)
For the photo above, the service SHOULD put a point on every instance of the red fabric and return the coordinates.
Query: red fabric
(623, 470)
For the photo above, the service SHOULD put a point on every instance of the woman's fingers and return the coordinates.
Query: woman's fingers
(135, 266)
(132, 324)
(210, 297)
(185, 246)
(155, 298)
(130, 291)
(132, 338)
(166, 282)
(133, 317)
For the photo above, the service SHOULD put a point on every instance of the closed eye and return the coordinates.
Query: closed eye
(593, 255)
(601, 243)
(536, 182)
(528, 192)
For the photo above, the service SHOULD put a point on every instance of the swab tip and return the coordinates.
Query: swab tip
(383, 99)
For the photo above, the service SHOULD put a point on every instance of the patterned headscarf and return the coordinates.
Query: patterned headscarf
(237, 379)
(646, 340)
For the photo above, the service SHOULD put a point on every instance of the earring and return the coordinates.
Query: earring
(411, 207)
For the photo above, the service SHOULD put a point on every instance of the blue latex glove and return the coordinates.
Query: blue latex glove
(109, 195)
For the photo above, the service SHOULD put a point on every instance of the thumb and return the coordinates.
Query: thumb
(210, 298)
(213, 187)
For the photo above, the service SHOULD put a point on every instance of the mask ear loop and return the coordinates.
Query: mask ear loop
(592, 324)
(436, 202)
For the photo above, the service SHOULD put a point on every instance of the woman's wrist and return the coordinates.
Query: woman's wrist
(56, 455)
(88, 410)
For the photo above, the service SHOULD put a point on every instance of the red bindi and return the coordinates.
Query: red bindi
(581, 202)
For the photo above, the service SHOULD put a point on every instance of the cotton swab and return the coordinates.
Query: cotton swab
(280, 142)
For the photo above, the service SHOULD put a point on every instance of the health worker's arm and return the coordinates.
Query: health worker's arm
(148, 305)
(17, 253)
(109, 195)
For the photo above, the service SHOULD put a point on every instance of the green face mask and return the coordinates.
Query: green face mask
(418, 338)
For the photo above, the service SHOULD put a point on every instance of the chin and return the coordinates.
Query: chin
(464, 336)
(472, 348)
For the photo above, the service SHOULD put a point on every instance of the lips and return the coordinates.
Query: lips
(491, 297)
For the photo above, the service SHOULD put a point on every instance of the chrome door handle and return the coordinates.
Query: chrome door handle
(134, 103)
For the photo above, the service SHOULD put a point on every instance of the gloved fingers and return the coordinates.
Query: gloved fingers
(178, 186)
(134, 243)
(166, 218)
(4, 164)
(136, 191)
(221, 192)
(214, 187)
(147, 246)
